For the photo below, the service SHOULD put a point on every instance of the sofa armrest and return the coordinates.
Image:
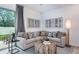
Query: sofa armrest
(62, 40)
(22, 41)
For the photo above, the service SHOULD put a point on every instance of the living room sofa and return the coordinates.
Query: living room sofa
(27, 40)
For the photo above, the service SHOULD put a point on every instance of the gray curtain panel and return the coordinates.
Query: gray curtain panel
(20, 20)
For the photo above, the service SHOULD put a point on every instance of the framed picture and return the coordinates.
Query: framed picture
(60, 22)
(49, 23)
(33, 23)
(46, 23)
(54, 22)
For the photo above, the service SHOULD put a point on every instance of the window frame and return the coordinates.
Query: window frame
(12, 11)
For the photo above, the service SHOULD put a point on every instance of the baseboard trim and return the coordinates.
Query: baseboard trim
(74, 46)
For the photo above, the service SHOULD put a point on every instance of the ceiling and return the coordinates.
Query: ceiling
(45, 7)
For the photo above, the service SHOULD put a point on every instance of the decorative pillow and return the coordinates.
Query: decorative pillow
(54, 34)
(30, 35)
(33, 35)
(20, 34)
(50, 34)
(43, 33)
(46, 33)
(25, 35)
(59, 34)
(37, 34)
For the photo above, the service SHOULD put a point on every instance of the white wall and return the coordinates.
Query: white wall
(54, 13)
(73, 12)
(70, 12)
(9, 6)
(29, 13)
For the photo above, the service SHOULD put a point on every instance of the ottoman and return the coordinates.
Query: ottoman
(45, 48)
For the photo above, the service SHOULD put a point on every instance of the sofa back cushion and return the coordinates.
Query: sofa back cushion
(44, 33)
(59, 34)
(30, 35)
(37, 33)
(49, 34)
(54, 34)
(20, 34)
(23, 35)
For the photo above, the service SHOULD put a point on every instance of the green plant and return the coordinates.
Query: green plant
(7, 18)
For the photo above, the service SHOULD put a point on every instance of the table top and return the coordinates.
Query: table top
(15, 40)
(46, 42)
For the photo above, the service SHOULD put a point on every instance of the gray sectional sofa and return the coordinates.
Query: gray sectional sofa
(27, 40)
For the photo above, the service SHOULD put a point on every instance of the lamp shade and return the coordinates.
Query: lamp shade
(68, 24)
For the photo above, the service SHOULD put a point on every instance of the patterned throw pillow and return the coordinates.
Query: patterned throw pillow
(30, 35)
(59, 34)
(25, 35)
(43, 33)
(20, 34)
(49, 34)
(46, 33)
(37, 34)
(33, 34)
(54, 34)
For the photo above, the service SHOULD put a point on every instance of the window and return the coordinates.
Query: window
(7, 21)
(33, 23)
(7, 18)
(7, 25)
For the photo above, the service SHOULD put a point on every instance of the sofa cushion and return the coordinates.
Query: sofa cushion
(20, 34)
(54, 34)
(49, 34)
(30, 35)
(32, 40)
(43, 33)
(33, 34)
(37, 34)
(46, 33)
(59, 34)
(25, 35)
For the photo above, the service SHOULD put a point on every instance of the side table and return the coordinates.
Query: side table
(11, 48)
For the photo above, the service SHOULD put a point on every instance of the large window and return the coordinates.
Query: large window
(7, 21)
(7, 18)
(7, 25)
